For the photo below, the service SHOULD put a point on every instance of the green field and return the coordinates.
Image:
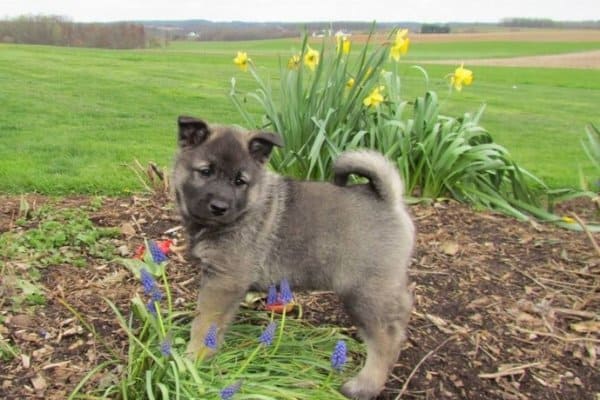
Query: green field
(73, 120)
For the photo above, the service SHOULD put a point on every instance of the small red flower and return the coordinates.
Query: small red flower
(139, 252)
(278, 307)
(163, 245)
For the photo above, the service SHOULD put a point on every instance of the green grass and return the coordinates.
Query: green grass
(72, 120)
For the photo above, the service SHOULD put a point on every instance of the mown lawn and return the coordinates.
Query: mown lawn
(73, 120)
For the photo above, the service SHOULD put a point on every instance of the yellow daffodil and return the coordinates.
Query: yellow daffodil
(400, 45)
(311, 58)
(294, 62)
(242, 60)
(343, 44)
(350, 83)
(461, 76)
(374, 98)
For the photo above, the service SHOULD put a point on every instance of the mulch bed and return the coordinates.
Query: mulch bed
(503, 309)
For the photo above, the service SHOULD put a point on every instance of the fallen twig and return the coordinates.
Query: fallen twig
(555, 336)
(414, 371)
(507, 371)
(587, 232)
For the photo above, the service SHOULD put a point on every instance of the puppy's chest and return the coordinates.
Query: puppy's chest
(227, 256)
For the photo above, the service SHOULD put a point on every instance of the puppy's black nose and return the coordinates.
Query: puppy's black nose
(218, 207)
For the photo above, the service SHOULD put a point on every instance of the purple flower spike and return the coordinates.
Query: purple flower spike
(285, 292)
(148, 281)
(272, 295)
(268, 334)
(210, 340)
(151, 307)
(165, 347)
(228, 392)
(156, 295)
(338, 357)
(157, 254)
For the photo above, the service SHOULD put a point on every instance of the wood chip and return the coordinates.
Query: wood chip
(586, 327)
(25, 361)
(39, 383)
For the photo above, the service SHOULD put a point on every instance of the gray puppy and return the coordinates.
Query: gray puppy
(248, 228)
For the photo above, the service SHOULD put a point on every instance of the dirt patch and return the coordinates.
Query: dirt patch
(514, 35)
(503, 310)
(579, 60)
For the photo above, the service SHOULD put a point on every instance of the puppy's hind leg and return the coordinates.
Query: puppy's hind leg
(383, 331)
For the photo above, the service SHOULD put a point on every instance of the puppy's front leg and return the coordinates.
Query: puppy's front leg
(218, 301)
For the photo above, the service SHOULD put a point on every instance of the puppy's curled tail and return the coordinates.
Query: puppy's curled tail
(381, 173)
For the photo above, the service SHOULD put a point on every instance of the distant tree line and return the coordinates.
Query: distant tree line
(236, 30)
(435, 28)
(57, 31)
(548, 23)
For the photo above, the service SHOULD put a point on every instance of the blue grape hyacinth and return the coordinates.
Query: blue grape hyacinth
(157, 254)
(150, 289)
(338, 356)
(148, 282)
(165, 347)
(268, 334)
(151, 306)
(210, 340)
(285, 292)
(228, 392)
(272, 295)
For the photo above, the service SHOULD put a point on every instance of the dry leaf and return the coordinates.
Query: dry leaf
(450, 248)
(127, 229)
(440, 323)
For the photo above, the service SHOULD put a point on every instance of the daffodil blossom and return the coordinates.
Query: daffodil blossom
(311, 58)
(242, 60)
(374, 98)
(350, 83)
(461, 76)
(400, 45)
(343, 44)
(294, 62)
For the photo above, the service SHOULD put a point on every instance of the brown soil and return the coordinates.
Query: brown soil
(503, 310)
(579, 60)
(515, 35)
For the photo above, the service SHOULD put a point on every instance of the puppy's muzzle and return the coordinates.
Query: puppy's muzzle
(218, 208)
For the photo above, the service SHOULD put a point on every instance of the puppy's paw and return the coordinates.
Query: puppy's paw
(359, 388)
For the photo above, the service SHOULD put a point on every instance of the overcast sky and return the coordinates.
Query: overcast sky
(306, 10)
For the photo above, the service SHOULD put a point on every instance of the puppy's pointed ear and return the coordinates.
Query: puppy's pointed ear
(261, 144)
(192, 131)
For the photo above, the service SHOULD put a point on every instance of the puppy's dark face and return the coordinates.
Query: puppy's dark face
(218, 170)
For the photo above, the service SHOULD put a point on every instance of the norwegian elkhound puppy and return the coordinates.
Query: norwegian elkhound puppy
(249, 228)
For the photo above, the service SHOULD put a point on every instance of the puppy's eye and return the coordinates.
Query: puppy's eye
(204, 171)
(240, 180)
